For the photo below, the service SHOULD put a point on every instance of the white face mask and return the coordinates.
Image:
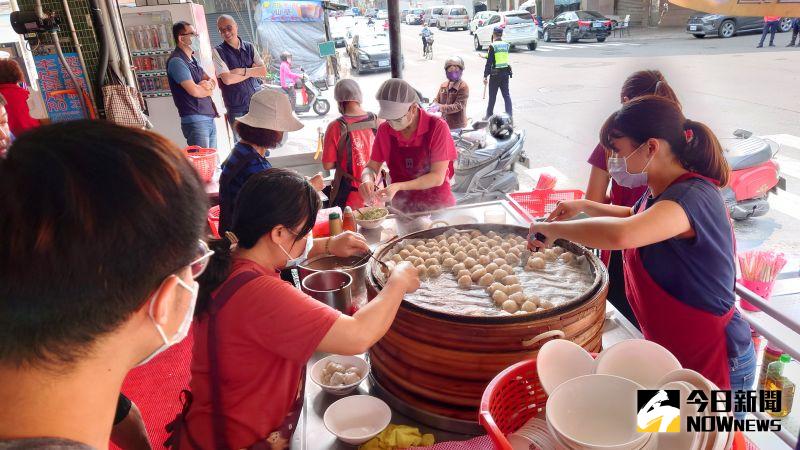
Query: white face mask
(292, 262)
(401, 123)
(183, 329)
(195, 45)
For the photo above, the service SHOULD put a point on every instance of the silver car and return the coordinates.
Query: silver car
(455, 16)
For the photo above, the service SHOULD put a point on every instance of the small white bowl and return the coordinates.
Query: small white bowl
(357, 419)
(642, 361)
(561, 360)
(683, 439)
(596, 412)
(349, 361)
(373, 223)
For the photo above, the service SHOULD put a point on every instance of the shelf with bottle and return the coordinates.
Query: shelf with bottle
(156, 94)
(152, 52)
(151, 73)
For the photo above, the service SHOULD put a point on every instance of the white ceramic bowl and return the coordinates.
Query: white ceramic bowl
(373, 223)
(684, 439)
(596, 412)
(357, 419)
(561, 360)
(642, 361)
(348, 361)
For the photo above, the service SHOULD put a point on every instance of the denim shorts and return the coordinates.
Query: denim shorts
(743, 373)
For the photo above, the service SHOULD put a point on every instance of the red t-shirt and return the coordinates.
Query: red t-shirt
(441, 144)
(620, 195)
(362, 147)
(266, 334)
(19, 117)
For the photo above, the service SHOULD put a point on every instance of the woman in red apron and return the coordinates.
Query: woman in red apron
(255, 333)
(418, 150)
(678, 245)
(643, 82)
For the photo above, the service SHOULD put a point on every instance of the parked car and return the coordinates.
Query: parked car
(432, 14)
(572, 26)
(382, 14)
(453, 17)
(415, 17)
(519, 29)
(369, 52)
(702, 25)
(339, 36)
(478, 21)
(371, 12)
(403, 15)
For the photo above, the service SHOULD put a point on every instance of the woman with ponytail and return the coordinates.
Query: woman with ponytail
(643, 82)
(677, 241)
(255, 333)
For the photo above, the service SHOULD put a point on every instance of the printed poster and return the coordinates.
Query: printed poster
(60, 98)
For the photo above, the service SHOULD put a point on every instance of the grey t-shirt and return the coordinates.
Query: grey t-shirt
(43, 443)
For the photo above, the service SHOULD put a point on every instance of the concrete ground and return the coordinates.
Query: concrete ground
(562, 93)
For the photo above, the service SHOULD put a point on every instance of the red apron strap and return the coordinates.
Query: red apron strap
(217, 303)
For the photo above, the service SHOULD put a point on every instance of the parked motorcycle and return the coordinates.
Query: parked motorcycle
(308, 97)
(484, 170)
(754, 174)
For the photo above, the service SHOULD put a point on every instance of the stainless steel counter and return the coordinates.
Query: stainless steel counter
(311, 433)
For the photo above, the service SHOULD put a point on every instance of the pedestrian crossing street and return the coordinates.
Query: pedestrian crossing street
(554, 46)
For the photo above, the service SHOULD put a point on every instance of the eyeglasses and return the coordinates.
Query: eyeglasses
(453, 69)
(199, 265)
(227, 29)
(190, 34)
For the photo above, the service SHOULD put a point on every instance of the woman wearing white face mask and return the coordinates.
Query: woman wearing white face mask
(248, 371)
(677, 241)
(418, 149)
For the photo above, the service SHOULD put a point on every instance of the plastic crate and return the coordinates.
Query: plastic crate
(540, 203)
(204, 161)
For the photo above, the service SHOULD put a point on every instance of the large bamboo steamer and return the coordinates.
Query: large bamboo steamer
(441, 363)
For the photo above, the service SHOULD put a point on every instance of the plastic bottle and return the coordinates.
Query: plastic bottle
(132, 39)
(163, 37)
(771, 354)
(777, 382)
(335, 223)
(348, 220)
(144, 43)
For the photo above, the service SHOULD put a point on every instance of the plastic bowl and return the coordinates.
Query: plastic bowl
(357, 419)
(348, 361)
(561, 360)
(644, 362)
(596, 412)
(373, 223)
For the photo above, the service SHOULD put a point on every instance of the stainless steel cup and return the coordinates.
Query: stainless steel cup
(331, 287)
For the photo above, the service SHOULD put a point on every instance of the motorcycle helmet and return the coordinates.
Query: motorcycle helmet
(454, 61)
(501, 126)
(498, 31)
(285, 56)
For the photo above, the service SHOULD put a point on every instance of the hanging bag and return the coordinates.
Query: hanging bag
(124, 104)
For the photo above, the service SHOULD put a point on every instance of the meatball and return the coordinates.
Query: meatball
(469, 263)
(500, 253)
(546, 304)
(499, 274)
(500, 261)
(491, 267)
(509, 280)
(404, 253)
(457, 268)
(507, 268)
(434, 271)
(431, 262)
(464, 272)
(510, 306)
(494, 287)
(567, 257)
(397, 258)
(499, 297)
(513, 289)
(422, 271)
(529, 307)
(518, 297)
(460, 256)
(513, 259)
(465, 282)
(535, 264)
(484, 251)
(448, 263)
(473, 253)
(484, 259)
(485, 280)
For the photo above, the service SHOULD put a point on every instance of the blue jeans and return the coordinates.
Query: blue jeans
(771, 28)
(231, 116)
(202, 133)
(743, 373)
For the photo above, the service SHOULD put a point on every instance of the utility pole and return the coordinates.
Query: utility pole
(395, 49)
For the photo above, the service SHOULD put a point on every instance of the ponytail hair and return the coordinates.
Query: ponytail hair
(648, 82)
(652, 117)
(268, 199)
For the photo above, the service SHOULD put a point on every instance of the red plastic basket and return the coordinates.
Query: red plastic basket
(204, 161)
(539, 203)
(213, 221)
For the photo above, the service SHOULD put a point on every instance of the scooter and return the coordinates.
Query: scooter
(754, 174)
(484, 170)
(308, 97)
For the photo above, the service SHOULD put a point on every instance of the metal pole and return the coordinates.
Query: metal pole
(395, 49)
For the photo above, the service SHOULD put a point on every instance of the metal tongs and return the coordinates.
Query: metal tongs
(369, 255)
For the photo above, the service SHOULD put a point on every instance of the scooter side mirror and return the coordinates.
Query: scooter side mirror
(741, 133)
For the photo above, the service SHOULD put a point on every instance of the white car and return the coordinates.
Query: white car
(519, 29)
(478, 21)
(383, 14)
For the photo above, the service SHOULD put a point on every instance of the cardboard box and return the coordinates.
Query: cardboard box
(163, 2)
(141, 2)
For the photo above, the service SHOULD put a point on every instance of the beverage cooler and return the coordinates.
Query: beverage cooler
(148, 30)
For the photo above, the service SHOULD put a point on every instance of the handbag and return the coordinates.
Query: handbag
(124, 104)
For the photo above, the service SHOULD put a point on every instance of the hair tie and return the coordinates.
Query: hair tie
(689, 135)
(658, 83)
(232, 239)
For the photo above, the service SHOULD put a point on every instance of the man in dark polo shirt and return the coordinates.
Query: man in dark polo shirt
(191, 88)
(238, 67)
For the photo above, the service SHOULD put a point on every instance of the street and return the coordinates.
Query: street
(562, 93)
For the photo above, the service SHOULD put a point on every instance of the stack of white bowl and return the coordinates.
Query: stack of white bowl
(592, 402)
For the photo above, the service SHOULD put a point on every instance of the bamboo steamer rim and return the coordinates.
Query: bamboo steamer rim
(597, 267)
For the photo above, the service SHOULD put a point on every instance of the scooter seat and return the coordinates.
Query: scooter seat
(750, 152)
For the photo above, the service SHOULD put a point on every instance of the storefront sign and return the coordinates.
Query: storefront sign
(291, 11)
(326, 49)
(61, 100)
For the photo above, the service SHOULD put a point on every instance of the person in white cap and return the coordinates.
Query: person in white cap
(418, 150)
(261, 129)
(348, 144)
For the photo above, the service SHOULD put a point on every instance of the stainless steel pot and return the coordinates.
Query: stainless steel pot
(355, 266)
(331, 287)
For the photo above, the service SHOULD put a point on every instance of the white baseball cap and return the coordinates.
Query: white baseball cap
(271, 110)
(395, 97)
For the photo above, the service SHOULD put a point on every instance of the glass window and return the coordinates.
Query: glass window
(516, 19)
(589, 15)
(437, 11)
(458, 12)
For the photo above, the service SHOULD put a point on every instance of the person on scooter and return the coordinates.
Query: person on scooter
(451, 99)
(348, 144)
(425, 33)
(497, 72)
(643, 82)
(289, 78)
(677, 241)
(418, 149)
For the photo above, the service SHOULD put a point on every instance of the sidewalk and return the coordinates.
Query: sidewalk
(651, 33)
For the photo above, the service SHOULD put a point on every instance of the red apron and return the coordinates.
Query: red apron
(697, 338)
(410, 163)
